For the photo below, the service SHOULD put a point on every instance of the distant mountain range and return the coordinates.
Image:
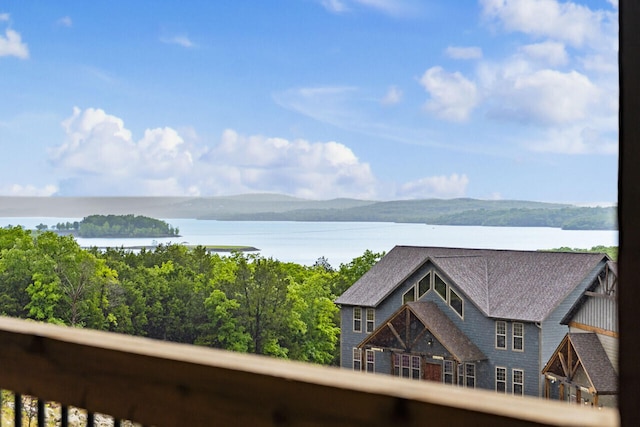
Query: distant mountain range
(275, 207)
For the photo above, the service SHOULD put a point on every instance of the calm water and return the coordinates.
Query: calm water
(340, 242)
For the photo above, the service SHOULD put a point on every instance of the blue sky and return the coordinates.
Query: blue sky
(372, 99)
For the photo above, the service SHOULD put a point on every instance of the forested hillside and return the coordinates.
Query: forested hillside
(238, 302)
(274, 207)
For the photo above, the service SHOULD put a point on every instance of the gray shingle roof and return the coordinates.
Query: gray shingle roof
(446, 332)
(521, 285)
(595, 362)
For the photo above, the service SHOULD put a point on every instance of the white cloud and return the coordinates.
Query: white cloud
(301, 168)
(65, 21)
(4, 17)
(546, 97)
(453, 97)
(28, 190)
(11, 45)
(101, 157)
(576, 140)
(444, 187)
(569, 22)
(393, 96)
(180, 40)
(100, 151)
(468, 52)
(548, 52)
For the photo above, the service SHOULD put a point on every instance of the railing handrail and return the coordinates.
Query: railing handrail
(160, 383)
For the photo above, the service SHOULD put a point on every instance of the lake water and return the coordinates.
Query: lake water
(340, 242)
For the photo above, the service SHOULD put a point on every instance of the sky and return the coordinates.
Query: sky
(319, 99)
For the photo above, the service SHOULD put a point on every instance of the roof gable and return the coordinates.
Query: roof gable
(589, 355)
(521, 285)
(401, 332)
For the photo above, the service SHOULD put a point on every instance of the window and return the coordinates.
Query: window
(518, 337)
(357, 319)
(518, 382)
(467, 375)
(424, 285)
(371, 320)
(415, 367)
(409, 296)
(501, 334)
(447, 372)
(440, 287)
(407, 366)
(501, 379)
(470, 374)
(371, 361)
(357, 359)
(456, 303)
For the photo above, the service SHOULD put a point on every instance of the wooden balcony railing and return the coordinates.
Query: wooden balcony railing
(167, 384)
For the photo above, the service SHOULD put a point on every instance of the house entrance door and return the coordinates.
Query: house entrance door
(433, 372)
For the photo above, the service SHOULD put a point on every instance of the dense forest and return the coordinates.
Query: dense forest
(119, 226)
(238, 302)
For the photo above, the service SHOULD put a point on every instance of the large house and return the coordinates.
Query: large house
(584, 367)
(473, 317)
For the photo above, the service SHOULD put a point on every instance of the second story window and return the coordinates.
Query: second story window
(441, 287)
(456, 303)
(409, 296)
(501, 334)
(424, 285)
(357, 319)
(518, 337)
(371, 320)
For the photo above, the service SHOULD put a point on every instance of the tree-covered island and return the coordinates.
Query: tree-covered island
(118, 226)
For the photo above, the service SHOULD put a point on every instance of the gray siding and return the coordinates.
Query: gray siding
(600, 312)
(552, 331)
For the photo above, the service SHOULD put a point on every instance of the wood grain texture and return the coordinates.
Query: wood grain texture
(166, 384)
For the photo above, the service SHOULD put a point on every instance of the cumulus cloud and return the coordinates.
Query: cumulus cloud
(393, 96)
(546, 97)
(100, 156)
(453, 97)
(549, 52)
(459, 52)
(572, 23)
(301, 168)
(442, 186)
(11, 43)
(100, 152)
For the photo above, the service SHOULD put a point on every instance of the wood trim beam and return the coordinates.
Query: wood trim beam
(597, 330)
(565, 369)
(598, 295)
(397, 335)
